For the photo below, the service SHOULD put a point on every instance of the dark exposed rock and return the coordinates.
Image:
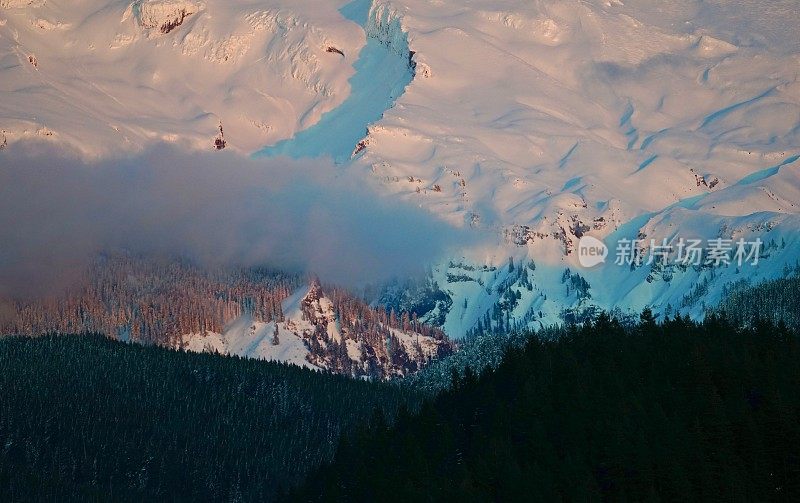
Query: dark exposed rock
(360, 147)
(219, 141)
(171, 25)
(334, 50)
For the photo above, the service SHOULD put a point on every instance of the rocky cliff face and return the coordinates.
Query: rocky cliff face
(163, 16)
(334, 331)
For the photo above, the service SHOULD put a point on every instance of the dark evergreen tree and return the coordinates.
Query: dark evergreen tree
(676, 411)
(87, 418)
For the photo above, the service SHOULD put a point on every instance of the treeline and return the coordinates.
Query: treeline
(485, 351)
(743, 304)
(380, 330)
(346, 335)
(777, 301)
(151, 300)
(88, 418)
(155, 300)
(498, 320)
(677, 411)
(355, 313)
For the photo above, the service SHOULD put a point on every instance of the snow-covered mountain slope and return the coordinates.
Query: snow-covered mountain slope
(111, 75)
(537, 121)
(547, 121)
(535, 113)
(311, 334)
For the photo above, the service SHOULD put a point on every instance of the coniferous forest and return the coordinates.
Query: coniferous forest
(776, 300)
(608, 410)
(670, 412)
(88, 418)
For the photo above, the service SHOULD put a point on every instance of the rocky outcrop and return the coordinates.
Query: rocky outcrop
(14, 4)
(163, 15)
(334, 50)
(345, 335)
(385, 24)
(219, 140)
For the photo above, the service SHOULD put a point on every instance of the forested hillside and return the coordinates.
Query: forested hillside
(177, 303)
(774, 301)
(478, 353)
(150, 300)
(89, 418)
(675, 412)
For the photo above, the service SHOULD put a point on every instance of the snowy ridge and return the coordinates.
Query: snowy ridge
(570, 130)
(547, 121)
(384, 24)
(106, 75)
(165, 15)
(312, 335)
(489, 299)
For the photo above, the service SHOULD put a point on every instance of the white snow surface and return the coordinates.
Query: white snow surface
(526, 119)
(643, 120)
(254, 339)
(108, 79)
